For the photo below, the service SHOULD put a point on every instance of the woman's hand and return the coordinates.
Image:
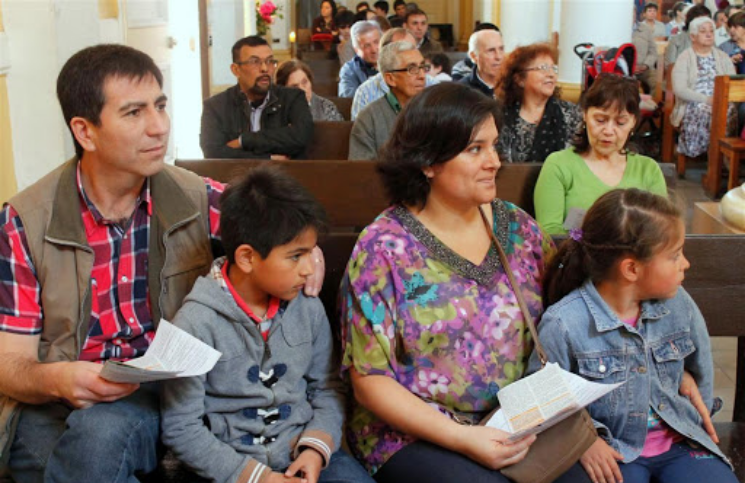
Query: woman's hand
(490, 447)
(689, 389)
(710, 100)
(600, 463)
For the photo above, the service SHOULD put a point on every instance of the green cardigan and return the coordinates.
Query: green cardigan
(566, 183)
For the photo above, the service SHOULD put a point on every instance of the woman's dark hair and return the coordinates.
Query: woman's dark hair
(434, 127)
(695, 12)
(441, 60)
(514, 74)
(266, 209)
(622, 222)
(608, 91)
(333, 7)
(736, 20)
(288, 67)
(81, 82)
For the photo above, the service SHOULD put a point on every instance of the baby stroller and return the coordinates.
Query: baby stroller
(602, 60)
(622, 61)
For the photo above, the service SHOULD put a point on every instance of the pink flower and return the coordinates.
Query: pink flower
(267, 9)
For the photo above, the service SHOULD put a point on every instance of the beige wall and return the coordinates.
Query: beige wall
(8, 179)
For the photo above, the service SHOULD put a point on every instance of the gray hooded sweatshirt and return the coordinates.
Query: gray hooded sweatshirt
(263, 402)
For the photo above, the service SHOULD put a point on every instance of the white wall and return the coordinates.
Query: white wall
(524, 22)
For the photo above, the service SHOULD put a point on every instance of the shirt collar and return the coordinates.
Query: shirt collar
(143, 198)
(219, 273)
(606, 319)
(393, 102)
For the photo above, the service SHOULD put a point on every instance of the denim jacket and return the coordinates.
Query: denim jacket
(584, 336)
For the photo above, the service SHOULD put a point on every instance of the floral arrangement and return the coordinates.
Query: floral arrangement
(265, 14)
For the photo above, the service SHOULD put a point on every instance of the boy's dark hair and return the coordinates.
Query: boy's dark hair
(80, 84)
(250, 41)
(441, 60)
(410, 12)
(266, 209)
(345, 18)
(649, 6)
(622, 222)
(695, 12)
(608, 91)
(362, 5)
(486, 26)
(445, 115)
(382, 5)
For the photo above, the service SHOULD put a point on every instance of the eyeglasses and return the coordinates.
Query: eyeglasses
(414, 69)
(254, 62)
(545, 68)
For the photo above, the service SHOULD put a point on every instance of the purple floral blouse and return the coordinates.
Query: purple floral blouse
(449, 331)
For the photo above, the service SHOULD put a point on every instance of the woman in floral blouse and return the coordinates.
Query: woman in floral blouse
(431, 326)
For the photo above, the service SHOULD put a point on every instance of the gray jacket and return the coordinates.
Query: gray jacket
(371, 130)
(263, 401)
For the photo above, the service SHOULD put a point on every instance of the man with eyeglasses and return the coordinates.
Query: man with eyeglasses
(365, 40)
(486, 50)
(375, 87)
(255, 118)
(404, 71)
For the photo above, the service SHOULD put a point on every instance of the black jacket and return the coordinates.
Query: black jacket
(286, 125)
(473, 81)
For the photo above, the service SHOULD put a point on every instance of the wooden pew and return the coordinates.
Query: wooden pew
(726, 89)
(344, 104)
(330, 140)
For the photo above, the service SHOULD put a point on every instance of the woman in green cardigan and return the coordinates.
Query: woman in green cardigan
(599, 161)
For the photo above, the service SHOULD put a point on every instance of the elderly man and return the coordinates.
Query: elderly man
(486, 50)
(463, 68)
(375, 87)
(255, 118)
(366, 42)
(404, 70)
(417, 24)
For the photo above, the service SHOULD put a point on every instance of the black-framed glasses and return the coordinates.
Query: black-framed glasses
(256, 62)
(414, 69)
(545, 68)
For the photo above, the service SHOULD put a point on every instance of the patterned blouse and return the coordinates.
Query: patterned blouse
(323, 109)
(447, 330)
(516, 140)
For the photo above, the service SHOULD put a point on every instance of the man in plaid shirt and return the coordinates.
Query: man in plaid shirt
(91, 257)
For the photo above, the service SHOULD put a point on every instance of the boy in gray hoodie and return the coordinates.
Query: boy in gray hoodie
(272, 408)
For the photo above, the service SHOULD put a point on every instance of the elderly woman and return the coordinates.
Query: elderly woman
(599, 161)
(431, 327)
(295, 73)
(693, 85)
(536, 122)
(679, 42)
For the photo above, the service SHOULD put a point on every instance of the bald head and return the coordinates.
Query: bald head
(486, 49)
(397, 34)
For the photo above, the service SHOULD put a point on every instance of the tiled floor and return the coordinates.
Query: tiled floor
(724, 349)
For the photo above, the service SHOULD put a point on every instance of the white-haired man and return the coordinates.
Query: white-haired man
(486, 50)
(404, 71)
(366, 41)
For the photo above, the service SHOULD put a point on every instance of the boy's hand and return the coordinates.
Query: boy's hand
(600, 463)
(275, 477)
(308, 464)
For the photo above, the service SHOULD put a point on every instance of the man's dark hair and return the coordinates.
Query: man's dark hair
(412, 12)
(362, 6)
(486, 26)
(345, 18)
(266, 209)
(695, 12)
(250, 41)
(446, 116)
(398, 2)
(381, 5)
(80, 84)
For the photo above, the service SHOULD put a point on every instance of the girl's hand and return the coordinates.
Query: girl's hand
(600, 463)
(689, 389)
(491, 448)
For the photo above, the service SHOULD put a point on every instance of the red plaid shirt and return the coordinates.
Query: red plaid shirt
(121, 326)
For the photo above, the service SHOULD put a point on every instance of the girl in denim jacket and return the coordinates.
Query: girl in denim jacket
(618, 314)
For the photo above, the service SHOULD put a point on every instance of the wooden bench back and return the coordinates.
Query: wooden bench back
(351, 190)
(344, 104)
(330, 140)
(726, 89)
